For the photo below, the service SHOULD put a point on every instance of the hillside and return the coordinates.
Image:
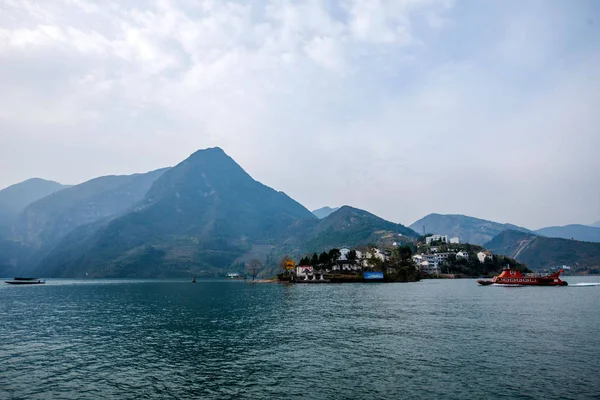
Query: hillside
(324, 211)
(596, 224)
(44, 222)
(577, 232)
(539, 252)
(14, 199)
(468, 229)
(198, 218)
(350, 226)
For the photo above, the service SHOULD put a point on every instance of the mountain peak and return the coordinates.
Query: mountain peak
(208, 151)
(324, 212)
(15, 198)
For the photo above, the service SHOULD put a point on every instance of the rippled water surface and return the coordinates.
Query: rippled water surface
(432, 339)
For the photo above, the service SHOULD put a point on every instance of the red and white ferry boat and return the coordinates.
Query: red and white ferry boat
(512, 277)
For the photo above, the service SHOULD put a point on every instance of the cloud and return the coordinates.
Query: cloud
(401, 107)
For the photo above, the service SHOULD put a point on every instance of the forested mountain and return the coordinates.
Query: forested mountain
(46, 221)
(199, 217)
(468, 229)
(539, 252)
(349, 226)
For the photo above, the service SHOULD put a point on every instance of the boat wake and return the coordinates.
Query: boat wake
(586, 284)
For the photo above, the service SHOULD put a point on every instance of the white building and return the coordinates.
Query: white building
(427, 267)
(431, 263)
(462, 254)
(344, 254)
(484, 255)
(435, 238)
(455, 240)
(304, 271)
(343, 264)
(373, 253)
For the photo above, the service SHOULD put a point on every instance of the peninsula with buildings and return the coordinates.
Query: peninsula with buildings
(433, 256)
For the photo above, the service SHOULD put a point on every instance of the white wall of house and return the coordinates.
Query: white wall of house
(483, 255)
(304, 270)
(435, 238)
(462, 254)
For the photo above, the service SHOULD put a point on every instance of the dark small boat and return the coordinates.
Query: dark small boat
(26, 281)
(194, 280)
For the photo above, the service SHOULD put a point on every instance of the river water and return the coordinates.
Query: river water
(173, 339)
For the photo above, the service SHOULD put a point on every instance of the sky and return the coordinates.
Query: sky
(402, 108)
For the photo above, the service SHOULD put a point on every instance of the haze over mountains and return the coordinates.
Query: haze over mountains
(206, 216)
(15, 198)
(575, 231)
(200, 217)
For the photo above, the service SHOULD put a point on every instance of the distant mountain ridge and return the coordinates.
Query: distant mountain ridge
(52, 217)
(577, 232)
(468, 229)
(539, 252)
(324, 211)
(45, 222)
(596, 224)
(14, 199)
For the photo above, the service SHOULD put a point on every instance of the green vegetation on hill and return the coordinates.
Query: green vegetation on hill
(539, 252)
(350, 226)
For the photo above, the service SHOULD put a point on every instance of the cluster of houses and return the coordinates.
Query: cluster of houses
(430, 263)
(344, 263)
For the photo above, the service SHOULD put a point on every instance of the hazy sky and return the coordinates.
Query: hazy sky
(403, 108)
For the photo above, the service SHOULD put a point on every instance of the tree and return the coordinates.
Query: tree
(283, 261)
(253, 266)
(404, 268)
(351, 255)
(334, 255)
(323, 260)
(304, 261)
(314, 261)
